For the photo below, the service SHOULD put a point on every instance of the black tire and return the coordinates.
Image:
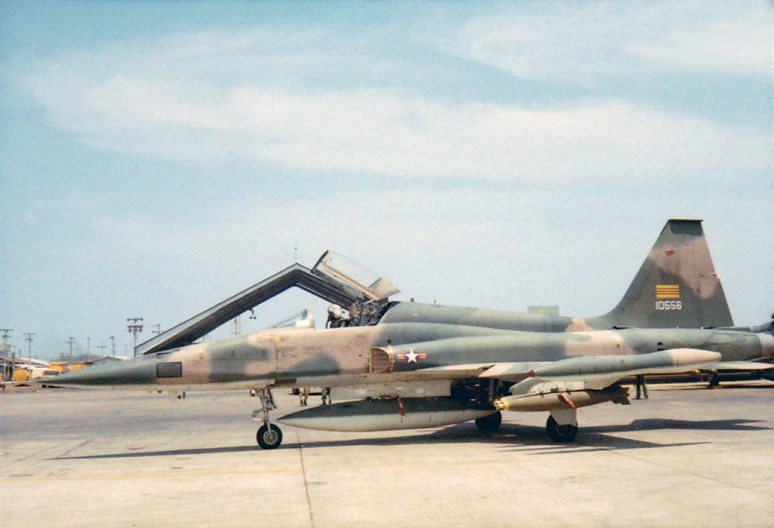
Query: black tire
(490, 424)
(560, 433)
(269, 438)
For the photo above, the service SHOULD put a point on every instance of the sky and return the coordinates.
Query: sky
(159, 157)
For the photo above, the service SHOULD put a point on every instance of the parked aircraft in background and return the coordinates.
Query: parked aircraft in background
(409, 365)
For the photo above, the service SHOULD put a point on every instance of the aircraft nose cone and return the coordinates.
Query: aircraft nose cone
(132, 372)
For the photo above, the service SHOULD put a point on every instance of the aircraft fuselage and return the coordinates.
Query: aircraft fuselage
(343, 356)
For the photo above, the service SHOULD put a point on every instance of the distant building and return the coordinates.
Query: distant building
(108, 359)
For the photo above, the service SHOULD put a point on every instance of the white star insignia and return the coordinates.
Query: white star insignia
(411, 356)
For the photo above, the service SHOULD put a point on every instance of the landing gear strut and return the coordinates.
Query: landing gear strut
(269, 436)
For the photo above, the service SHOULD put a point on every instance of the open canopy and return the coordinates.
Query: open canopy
(335, 278)
(356, 275)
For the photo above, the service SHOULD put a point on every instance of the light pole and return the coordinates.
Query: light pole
(113, 341)
(134, 326)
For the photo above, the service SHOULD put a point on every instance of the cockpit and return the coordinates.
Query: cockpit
(374, 289)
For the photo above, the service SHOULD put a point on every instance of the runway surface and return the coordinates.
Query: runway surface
(688, 456)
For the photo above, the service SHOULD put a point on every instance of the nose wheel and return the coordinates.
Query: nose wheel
(269, 436)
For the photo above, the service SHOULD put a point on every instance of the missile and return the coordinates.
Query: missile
(386, 414)
(544, 396)
(664, 362)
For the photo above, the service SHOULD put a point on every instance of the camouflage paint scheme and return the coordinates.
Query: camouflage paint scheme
(485, 359)
(378, 354)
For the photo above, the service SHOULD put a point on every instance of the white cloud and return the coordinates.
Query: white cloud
(290, 99)
(736, 44)
(153, 113)
(591, 43)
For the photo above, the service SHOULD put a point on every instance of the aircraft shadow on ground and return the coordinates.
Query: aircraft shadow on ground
(604, 437)
(724, 386)
(169, 452)
(523, 438)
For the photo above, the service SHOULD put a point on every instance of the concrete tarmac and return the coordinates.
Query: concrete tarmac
(688, 456)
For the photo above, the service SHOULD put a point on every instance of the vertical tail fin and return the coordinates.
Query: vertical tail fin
(676, 286)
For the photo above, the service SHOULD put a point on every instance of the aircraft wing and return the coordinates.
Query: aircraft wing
(595, 372)
(598, 372)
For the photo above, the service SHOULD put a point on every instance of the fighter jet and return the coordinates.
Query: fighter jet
(410, 365)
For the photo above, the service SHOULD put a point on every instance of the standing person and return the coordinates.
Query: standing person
(641, 387)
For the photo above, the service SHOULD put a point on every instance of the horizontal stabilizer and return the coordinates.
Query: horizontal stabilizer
(743, 366)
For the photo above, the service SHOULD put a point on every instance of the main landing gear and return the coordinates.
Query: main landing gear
(269, 436)
(562, 426)
(490, 424)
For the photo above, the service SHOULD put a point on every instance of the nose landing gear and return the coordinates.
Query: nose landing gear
(269, 436)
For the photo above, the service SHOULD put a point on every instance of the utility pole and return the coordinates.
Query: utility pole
(113, 340)
(134, 326)
(8, 369)
(71, 342)
(28, 339)
(88, 348)
(6, 336)
(157, 329)
(102, 347)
